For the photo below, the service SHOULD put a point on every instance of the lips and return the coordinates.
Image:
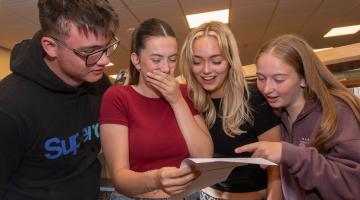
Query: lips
(272, 99)
(208, 79)
(98, 71)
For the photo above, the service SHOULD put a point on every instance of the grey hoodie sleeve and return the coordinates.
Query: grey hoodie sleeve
(336, 173)
(11, 150)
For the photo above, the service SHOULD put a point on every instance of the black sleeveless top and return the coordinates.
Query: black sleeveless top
(248, 178)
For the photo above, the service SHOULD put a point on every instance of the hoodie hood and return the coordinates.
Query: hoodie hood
(27, 60)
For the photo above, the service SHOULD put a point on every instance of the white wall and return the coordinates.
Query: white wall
(4, 62)
(356, 91)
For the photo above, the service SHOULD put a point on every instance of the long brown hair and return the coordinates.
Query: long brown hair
(235, 107)
(321, 84)
(149, 28)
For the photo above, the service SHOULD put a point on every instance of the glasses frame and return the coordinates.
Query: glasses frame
(87, 55)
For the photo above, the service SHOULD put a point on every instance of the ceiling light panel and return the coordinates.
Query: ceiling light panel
(195, 20)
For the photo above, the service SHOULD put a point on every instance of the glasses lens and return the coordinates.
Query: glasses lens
(94, 58)
(111, 49)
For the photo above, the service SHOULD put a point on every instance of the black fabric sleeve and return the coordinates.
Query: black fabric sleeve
(263, 114)
(11, 150)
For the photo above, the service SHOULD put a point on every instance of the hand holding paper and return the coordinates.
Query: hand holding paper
(214, 170)
(174, 180)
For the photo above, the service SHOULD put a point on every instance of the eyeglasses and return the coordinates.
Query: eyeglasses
(93, 57)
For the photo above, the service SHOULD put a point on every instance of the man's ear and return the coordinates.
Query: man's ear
(135, 60)
(49, 46)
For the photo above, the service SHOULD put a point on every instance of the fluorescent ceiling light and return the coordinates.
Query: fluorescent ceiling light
(323, 49)
(345, 30)
(197, 19)
(113, 76)
(110, 64)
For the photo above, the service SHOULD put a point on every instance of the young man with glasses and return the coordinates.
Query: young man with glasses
(49, 137)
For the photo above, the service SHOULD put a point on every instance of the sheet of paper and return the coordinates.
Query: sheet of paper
(214, 170)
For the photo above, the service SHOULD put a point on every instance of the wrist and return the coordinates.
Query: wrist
(151, 180)
(178, 104)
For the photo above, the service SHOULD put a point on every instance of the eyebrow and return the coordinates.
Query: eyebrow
(92, 47)
(280, 75)
(159, 55)
(96, 46)
(213, 56)
(274, 75)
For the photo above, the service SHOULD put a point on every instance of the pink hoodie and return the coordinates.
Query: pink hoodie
(308, 174)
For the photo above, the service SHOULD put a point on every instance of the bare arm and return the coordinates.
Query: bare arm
(194, 130)
(169, 180)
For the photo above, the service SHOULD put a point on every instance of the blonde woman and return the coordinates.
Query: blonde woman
(234, 111)
(320, 153)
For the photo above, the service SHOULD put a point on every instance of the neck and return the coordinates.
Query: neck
(295, 109)
(146, 90)
(217, 94)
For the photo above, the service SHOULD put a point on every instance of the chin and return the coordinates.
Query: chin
(94, 78)
(276, 105)
(208, 88)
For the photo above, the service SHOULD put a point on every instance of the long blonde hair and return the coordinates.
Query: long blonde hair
(235, 107)
(321, 84)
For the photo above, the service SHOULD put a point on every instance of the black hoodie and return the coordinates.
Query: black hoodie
(49, 137)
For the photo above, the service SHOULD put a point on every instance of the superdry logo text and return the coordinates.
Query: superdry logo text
(56, 147)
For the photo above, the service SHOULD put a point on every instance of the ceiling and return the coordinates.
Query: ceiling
(252, 21)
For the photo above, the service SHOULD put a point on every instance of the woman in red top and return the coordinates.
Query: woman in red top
(149, 126)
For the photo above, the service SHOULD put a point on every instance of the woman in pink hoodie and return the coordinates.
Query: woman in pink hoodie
(319, 155)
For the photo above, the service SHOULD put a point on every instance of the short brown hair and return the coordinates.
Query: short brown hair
(95, 16)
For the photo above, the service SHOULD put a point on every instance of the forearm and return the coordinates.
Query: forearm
(197, 139)
(274, 190)
(130, 183)
(335, 175)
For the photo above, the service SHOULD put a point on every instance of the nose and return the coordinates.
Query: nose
(267, 87)
(104, 60)
(206, 68)
(165, 66)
